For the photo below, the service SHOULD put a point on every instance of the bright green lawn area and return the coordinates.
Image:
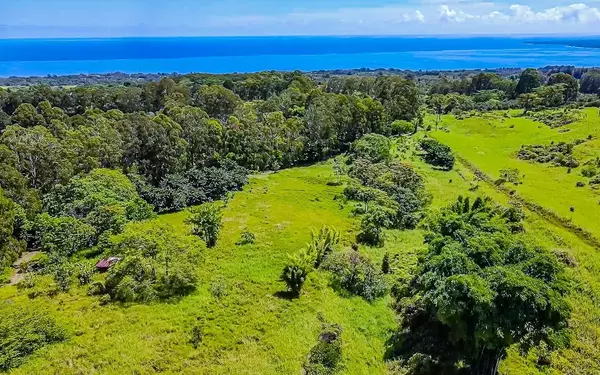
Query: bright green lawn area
(253, 331)
(492, 143)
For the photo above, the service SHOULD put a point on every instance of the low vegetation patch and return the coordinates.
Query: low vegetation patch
(22, 333)
(357, 274)
(557, 117)
(559, 154)
(437, 154)
(325, 357)
(155, 262)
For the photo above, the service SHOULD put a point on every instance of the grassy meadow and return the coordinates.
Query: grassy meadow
(491, 143)
(253, 329)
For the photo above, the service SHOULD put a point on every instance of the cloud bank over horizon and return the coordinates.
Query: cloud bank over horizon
(111, 18)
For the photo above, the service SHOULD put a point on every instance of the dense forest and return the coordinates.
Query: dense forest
(83, 168)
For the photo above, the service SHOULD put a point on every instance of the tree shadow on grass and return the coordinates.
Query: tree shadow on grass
(286, 294)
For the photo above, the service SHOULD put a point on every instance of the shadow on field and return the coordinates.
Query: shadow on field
(286, 294)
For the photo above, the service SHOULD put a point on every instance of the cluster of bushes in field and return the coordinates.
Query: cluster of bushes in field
(559, 154)
(324, 358)
(557, 117)
(155, 262)
(392, 193)
(350, 270)
(437, 154)
(591, 170)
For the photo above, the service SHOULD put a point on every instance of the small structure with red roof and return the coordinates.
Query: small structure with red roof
(105, 264)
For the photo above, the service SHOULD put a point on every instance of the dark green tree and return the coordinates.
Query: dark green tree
(571, 86)
(477, 291)
(529, 80)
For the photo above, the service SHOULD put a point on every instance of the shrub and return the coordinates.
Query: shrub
(63, 235)
(247, 238)
(24, 332)
(371, 227)
(322, 244)
(84, 273)
(400, 127)
(196, 335)
(437, 154)
(180, 280)
(385, 264)
(357, 274)
(511, 175)
(206, 222)
(589, 171)
(560, 154)
(373, 147)
(396, 188)
(325, 357)
(61, 273)
(218, 289)
(295, 273)
(156, 262)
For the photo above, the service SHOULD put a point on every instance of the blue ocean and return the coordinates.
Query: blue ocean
(35, 57)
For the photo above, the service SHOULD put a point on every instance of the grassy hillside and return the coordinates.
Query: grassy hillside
(492, 143)
(252, 329)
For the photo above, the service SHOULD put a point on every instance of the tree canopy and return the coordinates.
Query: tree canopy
(479, 289)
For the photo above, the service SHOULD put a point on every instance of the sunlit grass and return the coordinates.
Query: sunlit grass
(251, 330)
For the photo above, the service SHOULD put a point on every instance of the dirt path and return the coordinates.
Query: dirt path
(25, 257)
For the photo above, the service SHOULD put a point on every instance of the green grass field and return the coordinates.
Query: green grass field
(253, 331)
(492, 144)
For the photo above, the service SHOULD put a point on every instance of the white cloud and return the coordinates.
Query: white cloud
(419, 16)
(457, 16)
(518, 13)
(577, 13)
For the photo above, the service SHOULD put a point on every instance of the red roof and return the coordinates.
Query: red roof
(107, 262)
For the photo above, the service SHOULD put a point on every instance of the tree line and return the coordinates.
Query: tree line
(179, 143)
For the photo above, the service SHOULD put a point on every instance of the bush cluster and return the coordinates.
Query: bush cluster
(156, 262)
(560, 154)
(557, 117)
(301, 264)
(325, 357)
(206, 222)
(22, 333)
(393, 194)
(437, 154)
(193, 187)
(357, 274)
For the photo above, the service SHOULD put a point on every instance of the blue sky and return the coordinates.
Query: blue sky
(112, 18)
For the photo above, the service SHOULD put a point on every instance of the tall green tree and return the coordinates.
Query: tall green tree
(217, 101)
(571, 86)
(479, 290)
(529, 80)
(41, 157)
(590, 82)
